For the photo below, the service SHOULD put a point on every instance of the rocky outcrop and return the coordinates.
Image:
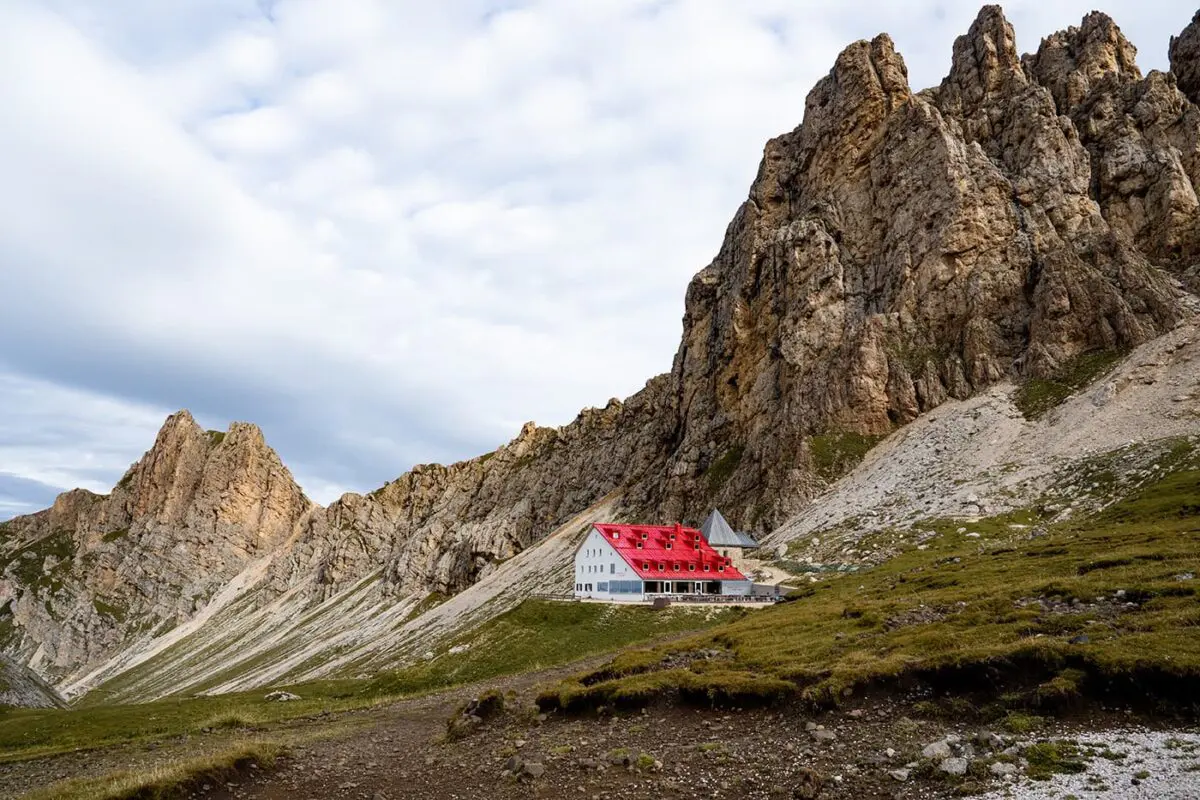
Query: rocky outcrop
(1184, 52)
(441, 528)
(21, 688)
(1142, 134)
(900, 248)
(85, 577)
(897, 249)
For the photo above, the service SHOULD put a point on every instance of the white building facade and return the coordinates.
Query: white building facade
(601, 573)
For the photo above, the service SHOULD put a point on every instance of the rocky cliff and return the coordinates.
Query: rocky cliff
(20, 687)
(898, 249)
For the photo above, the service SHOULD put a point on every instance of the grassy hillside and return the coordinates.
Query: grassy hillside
(1007, 612)
(535, 635)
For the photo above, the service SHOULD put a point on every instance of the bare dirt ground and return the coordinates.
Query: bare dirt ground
(869, 748)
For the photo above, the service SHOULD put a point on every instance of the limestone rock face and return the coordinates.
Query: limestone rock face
(22, 688)
(900, 248)
(1184, 53)
(897, 249)
(440, 528)
(1142, 134)
(81, 579)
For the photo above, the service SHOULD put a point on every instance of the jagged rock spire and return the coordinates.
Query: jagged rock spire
(1071, 63)
(1184, 52)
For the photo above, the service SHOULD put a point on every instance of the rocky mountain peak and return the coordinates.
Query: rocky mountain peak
(1073, 62)
(1184, 53)
(985, 60)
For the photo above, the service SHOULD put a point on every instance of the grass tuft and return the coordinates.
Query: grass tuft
(169, 782)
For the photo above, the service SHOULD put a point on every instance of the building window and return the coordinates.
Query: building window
(612, 569)
(662, 567)
(707, 568)
(721, 568)
(645, 566)
(668, 545)
(601, 587)
(639, 545)
(616, 534)
(677, 568)
(691, 567)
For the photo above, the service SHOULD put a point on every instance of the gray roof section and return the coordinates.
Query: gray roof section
(718, 533)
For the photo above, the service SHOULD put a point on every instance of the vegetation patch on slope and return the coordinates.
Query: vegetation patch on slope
(1039, 395)
(720, 470)
(534, 635)
(1030, 614)
(836, 453)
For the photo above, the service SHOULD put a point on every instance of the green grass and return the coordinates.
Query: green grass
(1047, 759)
(1038, 395)
(215, 437)
(113, 612)
(112, 536)
(835, 637)
(427, 603)
(25, 564)
(836, 453)
(167, 782)
(720, 470)
(536, 634)
(543, 633)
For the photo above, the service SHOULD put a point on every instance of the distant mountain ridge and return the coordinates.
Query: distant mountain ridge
(897, 250)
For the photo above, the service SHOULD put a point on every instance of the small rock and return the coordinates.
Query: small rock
(824, 736)
(899, 774)
(856, 713)
(810, 726)
(890, 753)
(1002, 768)
(954, 766)
(533, 769)
(513, 764)
(937, 750)
(1080, 639)
(280, 697)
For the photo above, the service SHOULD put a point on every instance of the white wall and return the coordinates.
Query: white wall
(596, 562)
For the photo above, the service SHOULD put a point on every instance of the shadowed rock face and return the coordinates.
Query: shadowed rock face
(896, 249)
(1184, 52)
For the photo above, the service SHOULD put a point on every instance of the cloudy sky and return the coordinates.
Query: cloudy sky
(387, 231)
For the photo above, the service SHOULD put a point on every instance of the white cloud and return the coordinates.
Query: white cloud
(388, 231)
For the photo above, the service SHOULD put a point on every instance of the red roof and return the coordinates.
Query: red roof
(668, 552)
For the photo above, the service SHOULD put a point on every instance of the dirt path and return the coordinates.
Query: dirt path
(867, 750)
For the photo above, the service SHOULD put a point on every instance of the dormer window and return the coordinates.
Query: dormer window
(645, 566)
(662, 567)
(668, 545)
(691, 567)
(616, 534)
(677, 568)
(645, 536)
(672, 537)
(707, 568)
(721, 568)
(639, 545)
